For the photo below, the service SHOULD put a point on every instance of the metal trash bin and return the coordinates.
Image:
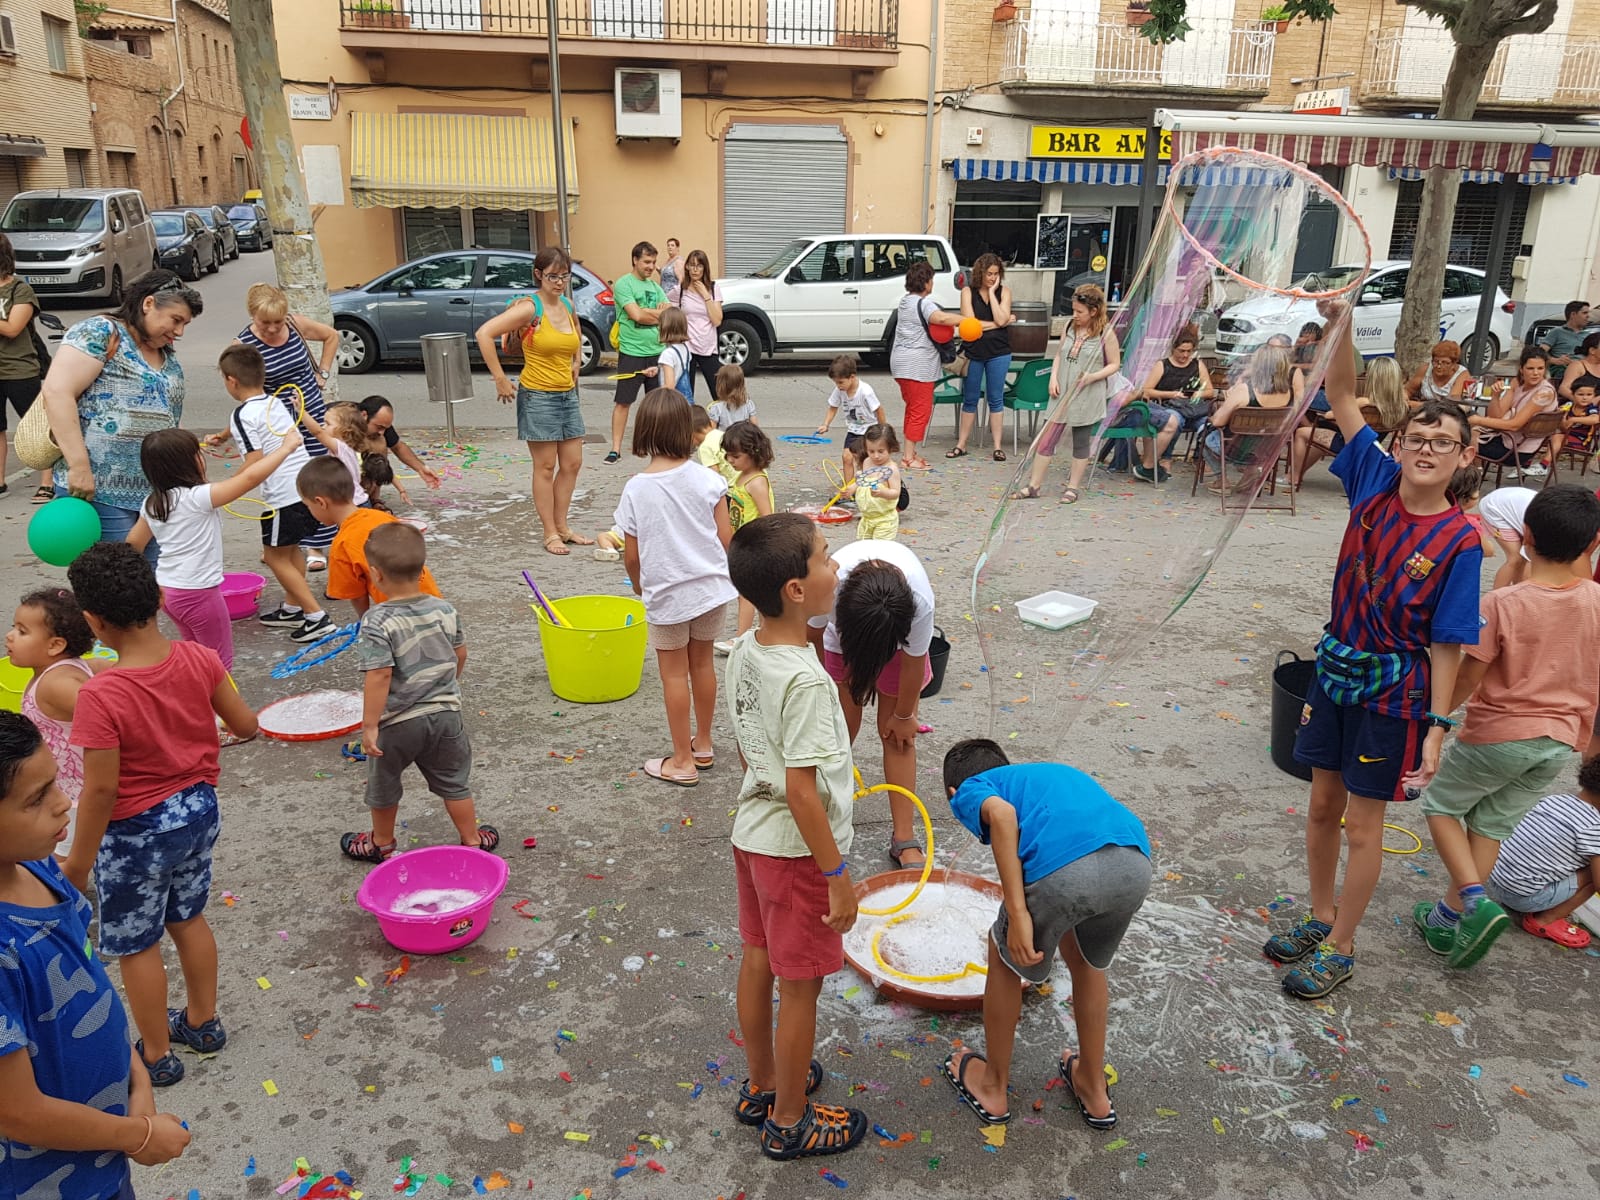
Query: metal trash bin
(1030, 335)
(449, 373)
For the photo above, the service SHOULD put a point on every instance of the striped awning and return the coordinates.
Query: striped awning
(446, 160)
(1124, 174)
(1320, 150)
(1484, 176)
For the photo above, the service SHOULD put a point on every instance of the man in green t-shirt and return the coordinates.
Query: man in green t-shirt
(640, 303)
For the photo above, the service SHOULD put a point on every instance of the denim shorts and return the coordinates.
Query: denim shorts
(154, 869)
(1546, 897)
(548, 416)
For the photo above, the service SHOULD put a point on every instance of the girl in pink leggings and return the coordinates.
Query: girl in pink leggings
(184, 516)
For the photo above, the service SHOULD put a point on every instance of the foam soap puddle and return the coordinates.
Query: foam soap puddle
(429, 901)
(947, 929)
(312, 713)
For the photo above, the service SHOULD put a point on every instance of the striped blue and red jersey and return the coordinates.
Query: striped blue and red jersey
(1403, 582)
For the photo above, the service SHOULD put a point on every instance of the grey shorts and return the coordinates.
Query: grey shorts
(707, 627)
(548, 416)
(1093, 897)
(1549, 896)
(437, 742)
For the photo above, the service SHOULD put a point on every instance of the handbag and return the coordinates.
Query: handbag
(35, 445)
(960, 364)
(948, 351)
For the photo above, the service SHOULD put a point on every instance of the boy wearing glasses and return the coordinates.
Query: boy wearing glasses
(1405, 600)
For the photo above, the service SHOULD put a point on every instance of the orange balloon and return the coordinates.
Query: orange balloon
(971, 329)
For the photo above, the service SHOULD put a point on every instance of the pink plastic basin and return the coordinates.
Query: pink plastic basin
(434, 867)
(240, 591)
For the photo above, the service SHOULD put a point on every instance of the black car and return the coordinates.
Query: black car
(184, 244)
(216, 220)
(250, 223)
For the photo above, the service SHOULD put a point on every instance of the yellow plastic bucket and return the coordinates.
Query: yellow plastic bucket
(601, 658)
(13, 682)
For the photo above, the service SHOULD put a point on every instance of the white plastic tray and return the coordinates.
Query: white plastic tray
(1055, 610)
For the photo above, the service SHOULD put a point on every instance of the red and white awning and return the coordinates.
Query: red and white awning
(1319, 150)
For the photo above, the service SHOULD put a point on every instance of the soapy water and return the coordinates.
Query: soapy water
(427, 902)
(314, 712)
(1141, 549)
(947, 929)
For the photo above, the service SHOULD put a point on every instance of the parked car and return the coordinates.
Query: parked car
(1376, 315)
(249, 221)
(81, 241)
(828, 294)
(185, 244)
(216, 220)
(454, 292)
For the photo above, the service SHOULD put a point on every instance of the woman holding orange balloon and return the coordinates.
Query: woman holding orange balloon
(985, 313)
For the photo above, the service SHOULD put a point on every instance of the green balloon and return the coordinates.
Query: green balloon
(63, 529)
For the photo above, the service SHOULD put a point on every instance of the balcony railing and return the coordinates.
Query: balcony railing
(861, 24)
(1539, 70)
(1080, 50)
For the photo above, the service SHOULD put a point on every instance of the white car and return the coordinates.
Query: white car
(1245, 327)
(830, 294)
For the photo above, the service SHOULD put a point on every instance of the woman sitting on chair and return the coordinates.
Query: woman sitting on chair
(1513, 406)
(1266, 384)
(1384, 406)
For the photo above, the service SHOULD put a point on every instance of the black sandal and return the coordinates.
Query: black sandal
(955, 452)
(821, 1129)
(1027, 493)
(958, 1080)
(1099, 1124)
(364, 848)
(897, 853)
(488, 838)
(754, 1106)
(999, 456)
(613, 456)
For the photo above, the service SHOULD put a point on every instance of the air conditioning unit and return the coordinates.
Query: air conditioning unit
(8, 36)
(649, 102)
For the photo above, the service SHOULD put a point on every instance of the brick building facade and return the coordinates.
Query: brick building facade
(45, 134)
(167, 103)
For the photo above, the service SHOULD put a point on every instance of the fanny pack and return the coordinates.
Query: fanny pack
(1349, 676)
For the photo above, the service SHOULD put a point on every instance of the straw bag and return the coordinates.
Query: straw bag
(32, 441)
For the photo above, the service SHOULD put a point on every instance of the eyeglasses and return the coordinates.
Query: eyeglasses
(1439, 445)
(546, 277)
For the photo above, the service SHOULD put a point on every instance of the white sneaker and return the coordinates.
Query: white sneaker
(1536, 471)
(724, 647)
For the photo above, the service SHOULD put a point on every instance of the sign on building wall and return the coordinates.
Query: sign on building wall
(324, 174)
(1091, 141)
(310, 108)
(1334, 102)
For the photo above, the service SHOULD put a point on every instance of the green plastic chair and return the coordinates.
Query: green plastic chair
(1139, 426)
(1030, 393)
(949, 391)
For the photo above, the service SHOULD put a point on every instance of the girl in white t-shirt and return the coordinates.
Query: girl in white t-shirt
(675, 362)
(345, 435)
(183, 514)
(674, 520)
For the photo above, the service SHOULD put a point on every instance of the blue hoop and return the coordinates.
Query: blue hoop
(805, 439)
(298, 661)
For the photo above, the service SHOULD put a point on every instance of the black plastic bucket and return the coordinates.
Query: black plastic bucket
(938, 659)
(1291, 684)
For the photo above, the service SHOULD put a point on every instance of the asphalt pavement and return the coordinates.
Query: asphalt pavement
(586, 1043)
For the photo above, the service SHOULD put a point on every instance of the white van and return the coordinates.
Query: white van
(81, 241)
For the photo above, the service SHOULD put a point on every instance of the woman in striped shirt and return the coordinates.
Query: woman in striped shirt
(281, 338)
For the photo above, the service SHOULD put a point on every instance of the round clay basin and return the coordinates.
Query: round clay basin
(891, 988)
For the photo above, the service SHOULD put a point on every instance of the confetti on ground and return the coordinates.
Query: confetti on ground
(1575, 1080)
(1116, 1145)
(515, 1126)
(1475, 1071)
(496, 1065)
(833, 1179)
(1216, 1124)
(270, 1087)
(1446, 1019)
(1344, 1101)
(573, 1136)
(264, 983)
(995, 1135)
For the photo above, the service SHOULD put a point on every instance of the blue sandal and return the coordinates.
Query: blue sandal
(165, 1071)
(206, 1039)
(1298, 942)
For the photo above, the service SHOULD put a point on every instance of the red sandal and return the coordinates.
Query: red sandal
(1560, 931)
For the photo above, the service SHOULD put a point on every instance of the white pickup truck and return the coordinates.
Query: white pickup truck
(830, 294)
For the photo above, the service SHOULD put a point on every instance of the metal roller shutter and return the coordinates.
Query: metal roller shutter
(1469, 235)
(10, 180)
(780, 182)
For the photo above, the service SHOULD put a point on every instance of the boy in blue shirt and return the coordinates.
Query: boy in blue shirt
(1075, 866)
(75, 1099)
(1405, 600)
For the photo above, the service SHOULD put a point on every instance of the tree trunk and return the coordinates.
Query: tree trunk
(295, 252)
(1419, 315)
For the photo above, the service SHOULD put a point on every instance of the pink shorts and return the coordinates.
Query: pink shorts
(888, 681)
(707, 627)
(781, 905)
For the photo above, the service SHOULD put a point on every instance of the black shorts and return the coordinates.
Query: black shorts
(288, 526)
(854, 442)
(21, 393)
(628, 389)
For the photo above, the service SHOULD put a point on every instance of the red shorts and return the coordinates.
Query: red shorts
(781, 905)
(888, 681)
(919, 408)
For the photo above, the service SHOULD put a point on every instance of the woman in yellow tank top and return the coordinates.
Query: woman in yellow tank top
(546, 391)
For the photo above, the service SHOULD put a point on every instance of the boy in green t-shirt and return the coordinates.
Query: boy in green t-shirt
(639, 305)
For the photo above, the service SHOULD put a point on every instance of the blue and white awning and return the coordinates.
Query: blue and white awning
(1119, 174)
(1484, 176)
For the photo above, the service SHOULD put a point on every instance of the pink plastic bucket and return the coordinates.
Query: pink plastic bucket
(434, 867)
(240, 591)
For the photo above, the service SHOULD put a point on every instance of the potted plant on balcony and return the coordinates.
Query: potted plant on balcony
(1277, 16)
(1138, 13)
(376, 14)
(1006, 10)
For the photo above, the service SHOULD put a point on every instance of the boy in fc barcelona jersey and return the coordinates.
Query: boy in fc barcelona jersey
(1405, 600)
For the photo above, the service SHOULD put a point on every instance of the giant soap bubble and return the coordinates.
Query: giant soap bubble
(1228, 255)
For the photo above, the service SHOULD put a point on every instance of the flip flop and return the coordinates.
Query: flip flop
(957, 1080)
(575, 539)
(1560, 931)
(1100, 1124)
(653, 767)
(556, 544)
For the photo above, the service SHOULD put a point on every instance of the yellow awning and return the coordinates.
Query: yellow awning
(441, 160)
